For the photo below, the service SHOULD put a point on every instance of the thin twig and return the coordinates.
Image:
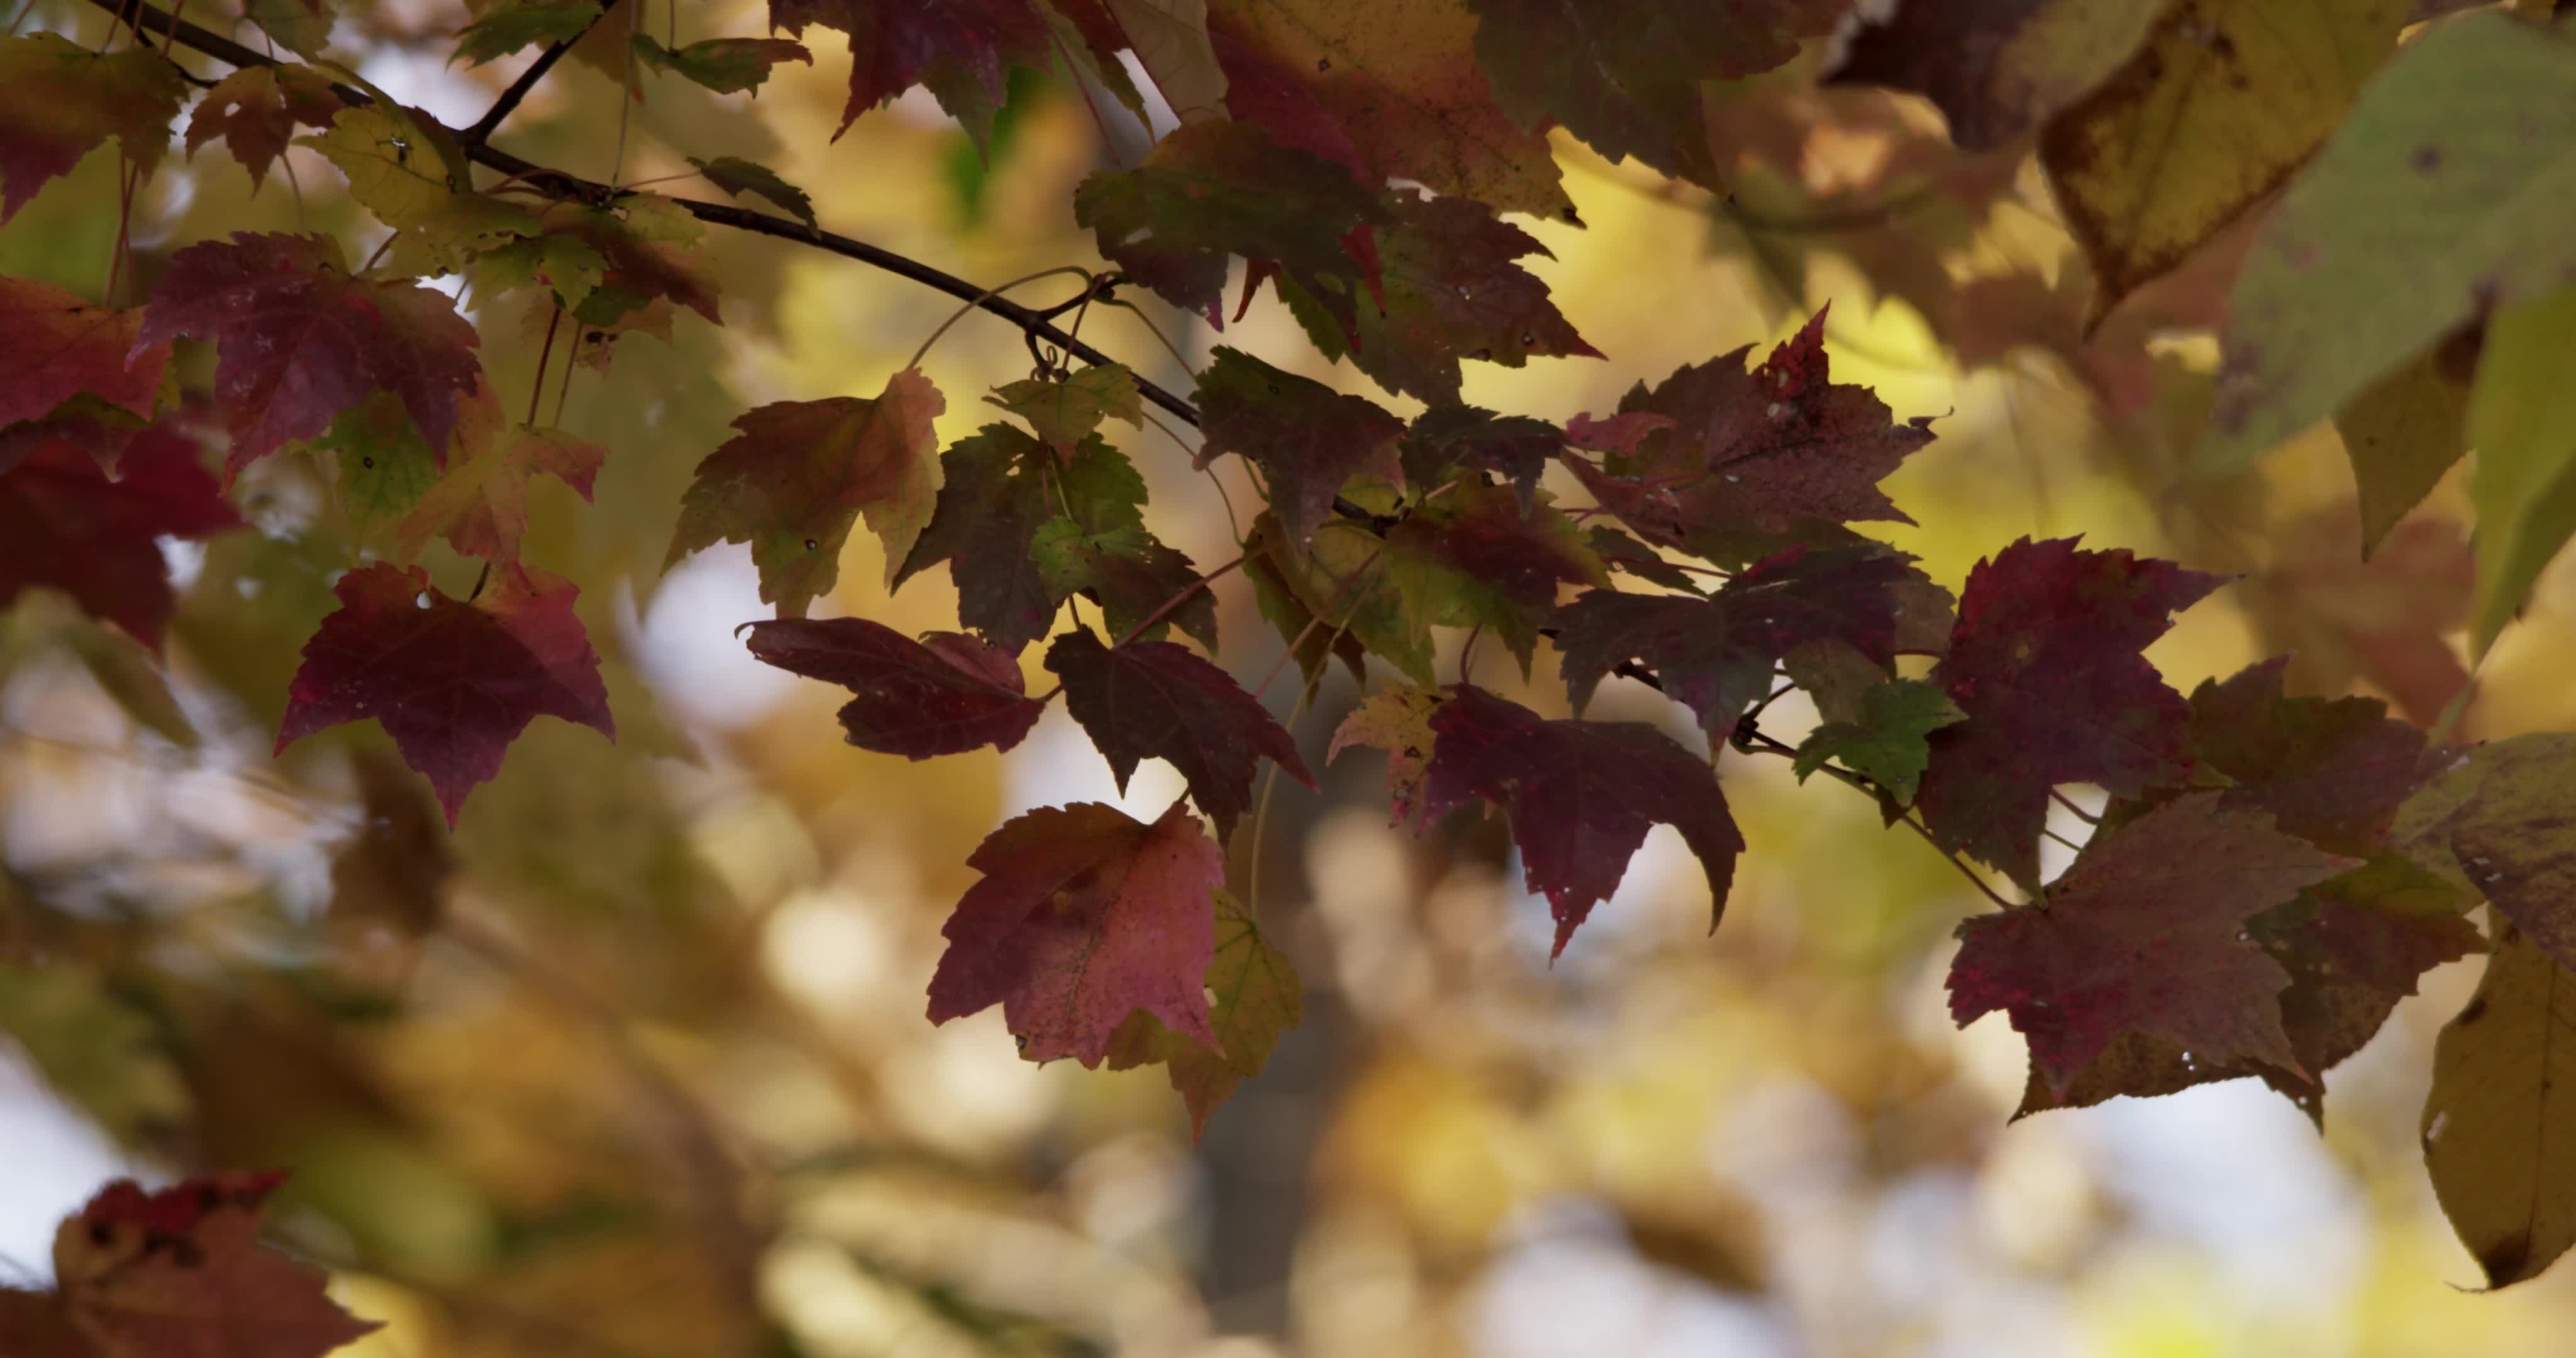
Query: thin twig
(989, 294)
(473, 137)
(508, 103)
(2072, 809)
(1755, 742)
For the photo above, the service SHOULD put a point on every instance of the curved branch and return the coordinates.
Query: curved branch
(502, 107)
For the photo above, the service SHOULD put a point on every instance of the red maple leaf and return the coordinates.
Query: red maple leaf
(1085, 915)
(453, 681)
(1723, 461)
(64, 524)
(1715, 655)
(2045, 661)
(59, 101)
(958, 48)
(1157, 700)
(940, 695)
(1306, 438)
(2331, 771)
(802, 472)
(298, 339)
(176, 1273)
(54, 346)
(256, 111)
(1580, 795)
(2147, 934)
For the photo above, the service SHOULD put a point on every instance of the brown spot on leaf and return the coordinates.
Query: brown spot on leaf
(2471, 1012)
(2504, 1259)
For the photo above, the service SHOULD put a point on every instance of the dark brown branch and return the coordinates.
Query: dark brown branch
(502, 107)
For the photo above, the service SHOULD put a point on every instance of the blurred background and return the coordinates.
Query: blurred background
(635, 1062)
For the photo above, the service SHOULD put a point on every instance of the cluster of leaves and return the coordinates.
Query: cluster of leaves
(2272, 874)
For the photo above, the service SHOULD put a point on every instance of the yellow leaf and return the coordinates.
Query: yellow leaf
(2223, 101)
(2504, 1080)
(1171, 39)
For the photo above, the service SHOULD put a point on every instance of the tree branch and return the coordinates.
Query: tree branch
(502, 107)
(558, 184)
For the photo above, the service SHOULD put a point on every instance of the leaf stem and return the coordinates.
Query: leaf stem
(537, 384)
(989, 294)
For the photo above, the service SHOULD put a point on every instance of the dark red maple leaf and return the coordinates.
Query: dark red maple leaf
(1447, 439)
(1715, 655)
(801, 473)
(256, 110)
(2331, 771)
(1218, 189)
(940, 695)
(1580, 795)
(1003, 491)
(2147, 934)
(59, 101)
(1085, 915)
(54, 346)
(2352, 947)
(1448, 287)
(2045, 661)
(176, 1273)
(453, 681)
(959, 48)
(1306, 438)
(298, 340)
(64, 524)
(1625, 75)
(1748, 456)
(1157, 700)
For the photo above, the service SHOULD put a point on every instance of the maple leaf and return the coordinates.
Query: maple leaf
(1715, 655)
(299, 340)
(1723, 462)
(737, 176)
(2496, 823)
(256, 110)
(1170, 40)
(176, 1273)
(1888, 740)
(1137, 581)
(2331, 771)
(440, 224)
(453, 681)
(1625, 75)
(64, 524)
(1397, 720)
(516, 27)
(802, 472)
(1580, 796)
(1306, 438)
(941, 695)
(60, 101)
(1281, 604)
(1210, 190)
(1447, 289)
(1473, 557)
(1342, 581)
(1084, 916)
(1063, 412)
(956, 47)
(2146, 934)
(2045, 661)
(1446, 440)
(56, 346)
(480, 505)
(1156, 700)
(648, 245)
(1001, 489)
(1257, 997)
(2503, 1075)
(2352, 947)
(1621, 552)
(1389, 88)
(724, 65)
